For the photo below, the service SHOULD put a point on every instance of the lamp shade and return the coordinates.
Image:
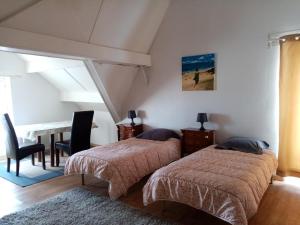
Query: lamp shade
(131, 114)
(202, 117)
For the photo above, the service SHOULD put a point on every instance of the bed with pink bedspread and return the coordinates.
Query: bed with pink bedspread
(124, 163)
(224, 183)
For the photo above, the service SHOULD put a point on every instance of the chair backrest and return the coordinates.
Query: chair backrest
(10, 137)
(81, 131)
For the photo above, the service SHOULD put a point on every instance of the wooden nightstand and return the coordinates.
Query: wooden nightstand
(126, 131)
(194, 139)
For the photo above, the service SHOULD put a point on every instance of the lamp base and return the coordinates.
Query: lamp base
(202, 127)
(132, 122)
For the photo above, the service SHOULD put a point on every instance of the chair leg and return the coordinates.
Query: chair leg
(43, 159)
(32, 159)
(82, 179)
(8, 164)
(17, 167)
(57, 156)
(61, 138)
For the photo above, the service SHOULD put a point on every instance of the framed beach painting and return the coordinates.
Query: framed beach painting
(198, 72)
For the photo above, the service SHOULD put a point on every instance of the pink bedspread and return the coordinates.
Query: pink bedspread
(124, 163)
(226, 184)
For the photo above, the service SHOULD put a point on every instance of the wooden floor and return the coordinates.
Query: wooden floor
(280, 205)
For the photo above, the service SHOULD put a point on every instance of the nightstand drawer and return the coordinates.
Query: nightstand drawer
(194, 139)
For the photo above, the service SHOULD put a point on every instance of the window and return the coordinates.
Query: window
(5, 107)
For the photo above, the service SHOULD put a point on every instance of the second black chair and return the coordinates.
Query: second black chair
(80, 135)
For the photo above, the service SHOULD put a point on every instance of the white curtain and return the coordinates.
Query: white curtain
(5, 107)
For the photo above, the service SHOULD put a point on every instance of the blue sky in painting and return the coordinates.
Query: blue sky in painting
(200, 62)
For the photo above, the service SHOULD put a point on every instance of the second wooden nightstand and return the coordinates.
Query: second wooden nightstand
(194, 139)
(126, 131)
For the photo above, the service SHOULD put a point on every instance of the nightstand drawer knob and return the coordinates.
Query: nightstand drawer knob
(206, 137)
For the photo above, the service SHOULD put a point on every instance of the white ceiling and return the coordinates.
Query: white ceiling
(64, 74)
(11, 7)
(124, 24)
(69, 77)
(129, 24)
(67, 18)
(36, 63)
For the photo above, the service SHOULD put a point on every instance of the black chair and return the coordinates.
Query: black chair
(80, 135)
(13, 150)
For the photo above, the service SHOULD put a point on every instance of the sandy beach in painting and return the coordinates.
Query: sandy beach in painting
(206, 81)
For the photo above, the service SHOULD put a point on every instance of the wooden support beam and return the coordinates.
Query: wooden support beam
(32, 43)
(146, 78)
(94, 75)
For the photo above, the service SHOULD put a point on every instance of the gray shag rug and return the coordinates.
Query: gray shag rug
(79, 206)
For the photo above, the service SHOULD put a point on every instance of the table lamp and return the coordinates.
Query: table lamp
(131, 115)
(202, 117)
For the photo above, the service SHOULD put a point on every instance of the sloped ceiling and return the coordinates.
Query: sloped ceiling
(70, 19)
(129, 24)
(12, 7)
(122, 24)
(70, 77)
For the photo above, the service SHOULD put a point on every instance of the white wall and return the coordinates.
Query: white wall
(245, 102)
(107, 131)
(35, 100)
(11, 64)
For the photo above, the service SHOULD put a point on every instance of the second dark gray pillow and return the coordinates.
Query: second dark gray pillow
(244, 144)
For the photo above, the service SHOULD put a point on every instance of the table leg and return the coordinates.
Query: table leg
(52, 149)
(39, 154)
(61, 138)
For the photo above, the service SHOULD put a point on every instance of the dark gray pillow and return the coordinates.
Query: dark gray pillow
(244, 144)
(158, 135)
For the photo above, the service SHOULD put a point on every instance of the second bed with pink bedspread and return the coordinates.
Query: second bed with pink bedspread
(227, 184)
(124, 163)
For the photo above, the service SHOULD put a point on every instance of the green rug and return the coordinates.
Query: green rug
(81, 207)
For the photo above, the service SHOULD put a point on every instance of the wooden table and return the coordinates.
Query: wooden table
(35, 131)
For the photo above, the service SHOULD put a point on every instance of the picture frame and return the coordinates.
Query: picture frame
(198, 72)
